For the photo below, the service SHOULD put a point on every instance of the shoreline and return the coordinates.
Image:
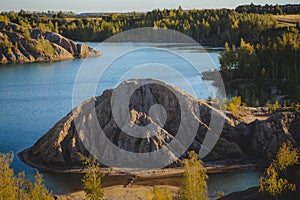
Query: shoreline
(210, 166)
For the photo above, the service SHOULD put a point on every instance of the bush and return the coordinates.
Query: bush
(272, 183)
(194, 185)
(17, 187)
(160, 194)
(92, 180)
(234, 104)
(44, 46)
(26, 34)
(219, 194)
(273, 107)
(295, 106)
(6, 43)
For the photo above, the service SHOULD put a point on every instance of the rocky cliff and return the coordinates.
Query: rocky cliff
(261, 138)
(19, 44)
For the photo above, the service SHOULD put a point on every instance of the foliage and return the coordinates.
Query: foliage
(43, 27)
(234, 103)
(272, 183)
(214, 27)
(17, 187)
(296, 106)
(219, 194)
(160, 194)
(194, 185)
(272, 9)
(44, 46)
(6, 43)
(26, 34)
(37, 190)
(273, 107)
(4, 18)
(92, 180)
(286, 156)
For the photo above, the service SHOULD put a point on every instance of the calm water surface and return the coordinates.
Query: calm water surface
(33, 97)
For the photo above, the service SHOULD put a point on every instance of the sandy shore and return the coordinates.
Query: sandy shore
(119, 192)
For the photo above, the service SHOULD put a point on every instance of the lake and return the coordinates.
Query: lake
(33, 97)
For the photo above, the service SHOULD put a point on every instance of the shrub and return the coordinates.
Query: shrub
(272, 183)
(6, 43)
(44, 46)
(234, 104)
(194, 185)
(26, 34)
(17, 187)
(5, 19)
(219, 194)
(273, 107)
(160, 194)
(92, 180)
(295, 106)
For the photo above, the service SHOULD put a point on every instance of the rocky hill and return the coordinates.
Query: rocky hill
(19, 45)
(261, 138)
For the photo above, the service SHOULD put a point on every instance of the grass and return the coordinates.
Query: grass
(287, 20)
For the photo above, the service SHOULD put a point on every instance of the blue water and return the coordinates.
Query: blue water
(33, 97)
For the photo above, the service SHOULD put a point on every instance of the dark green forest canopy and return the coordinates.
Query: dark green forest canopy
(270, 9)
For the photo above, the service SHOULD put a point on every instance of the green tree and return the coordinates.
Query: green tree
(194, 185)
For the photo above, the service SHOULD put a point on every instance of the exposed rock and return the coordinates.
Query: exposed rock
(16, 46)
(268, 136)
(249, 194)
(58, 149)
(253, 194)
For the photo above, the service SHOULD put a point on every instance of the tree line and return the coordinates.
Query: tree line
(254, 70)
(271, 9)
(207, 26)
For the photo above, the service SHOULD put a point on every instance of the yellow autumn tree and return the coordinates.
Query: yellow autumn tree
(194, 184)
(92, 181)
(271, 182)
(17, 187)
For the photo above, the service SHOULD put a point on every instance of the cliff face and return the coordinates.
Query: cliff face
(18, 44)
(58, 149)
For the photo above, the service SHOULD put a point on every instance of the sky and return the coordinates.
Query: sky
(80, 6)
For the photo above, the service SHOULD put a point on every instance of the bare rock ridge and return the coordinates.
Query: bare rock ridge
(19, 45)
(58, 149)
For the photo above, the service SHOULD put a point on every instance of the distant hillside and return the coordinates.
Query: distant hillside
(19, 44)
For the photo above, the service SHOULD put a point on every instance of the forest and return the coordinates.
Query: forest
(257, 46)
(209, 27)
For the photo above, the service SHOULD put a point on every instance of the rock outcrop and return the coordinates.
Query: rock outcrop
(58, 149)
(19, 45)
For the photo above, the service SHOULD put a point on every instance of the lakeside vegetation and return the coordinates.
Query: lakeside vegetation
(274, 184)
(14, 187)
